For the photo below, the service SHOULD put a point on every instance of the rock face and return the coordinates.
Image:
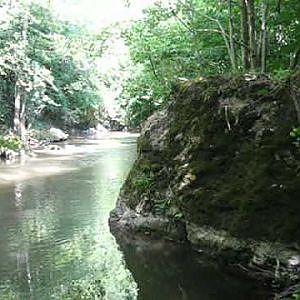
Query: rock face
(219, 168)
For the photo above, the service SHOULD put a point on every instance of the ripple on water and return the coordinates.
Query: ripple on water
(55, 240)
(54, 237)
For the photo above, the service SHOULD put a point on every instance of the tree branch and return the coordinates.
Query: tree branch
(192, 30)
(153, 67)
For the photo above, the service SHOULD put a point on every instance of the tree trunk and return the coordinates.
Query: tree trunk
(252, 34)
(153, 68)
(296, 59)
(20, 112)
(17, 121)
(23, 130)
(245, 36)
(226, 40)
(231, 36)
(296, 99)
(20, 93)
(264, 37)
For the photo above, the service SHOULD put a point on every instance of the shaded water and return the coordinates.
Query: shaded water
(167, 271)
(54, 234)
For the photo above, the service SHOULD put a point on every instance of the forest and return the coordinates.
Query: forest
(213, 89)
(49, 71)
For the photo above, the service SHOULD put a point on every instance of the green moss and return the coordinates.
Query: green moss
(296, 296)
(143, 182)
(143, 145)
(247, 174)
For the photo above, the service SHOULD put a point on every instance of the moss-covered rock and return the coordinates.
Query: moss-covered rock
(221, 156)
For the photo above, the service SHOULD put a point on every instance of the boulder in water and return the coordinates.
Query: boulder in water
(101, 128)
(57, 135)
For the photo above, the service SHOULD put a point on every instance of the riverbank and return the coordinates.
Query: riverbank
(219, 168)
(48, 140)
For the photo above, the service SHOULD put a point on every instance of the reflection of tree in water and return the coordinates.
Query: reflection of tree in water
(58, 242)
(18, 190)
(22, 255)
(85, 260)
(23, 265)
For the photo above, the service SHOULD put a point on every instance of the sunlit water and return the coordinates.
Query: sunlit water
(54, 234)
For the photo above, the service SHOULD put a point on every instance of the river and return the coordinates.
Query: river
(55, 241)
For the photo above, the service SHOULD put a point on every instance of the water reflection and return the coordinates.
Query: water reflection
(55, 241)
(18, 188)
(54, 237)
(168, 271)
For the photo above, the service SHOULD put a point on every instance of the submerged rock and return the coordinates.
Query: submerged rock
(220, 162)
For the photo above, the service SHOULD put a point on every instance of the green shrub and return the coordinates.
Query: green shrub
(84, 291)
(143, 182)
(162, 205)
(295, 134)
(296, 296)
(9, 142)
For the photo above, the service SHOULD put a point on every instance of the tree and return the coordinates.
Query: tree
(191, 38)
(48, 68)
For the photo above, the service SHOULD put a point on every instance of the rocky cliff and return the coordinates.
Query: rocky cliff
(220, 169)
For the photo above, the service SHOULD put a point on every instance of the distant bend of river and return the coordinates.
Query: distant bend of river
(55, 241)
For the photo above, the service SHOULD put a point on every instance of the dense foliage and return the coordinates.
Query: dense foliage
(9, 143)
(47, 68)
(192, 38)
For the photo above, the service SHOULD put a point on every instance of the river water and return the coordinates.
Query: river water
(55, 241)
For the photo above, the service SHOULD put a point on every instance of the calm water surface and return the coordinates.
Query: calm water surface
(54, 234)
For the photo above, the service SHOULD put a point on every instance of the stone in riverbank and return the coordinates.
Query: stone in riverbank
(220, 161)
(57, 135)
(127, 220)
(47, 135)
(271, 262)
